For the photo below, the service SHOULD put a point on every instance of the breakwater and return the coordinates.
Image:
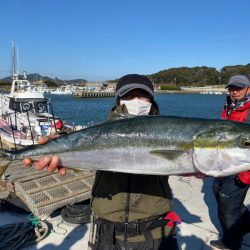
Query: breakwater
(89, 94)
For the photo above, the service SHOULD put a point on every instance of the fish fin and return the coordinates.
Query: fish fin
(3, 166)
(76, 170)
(168, 154)
(6, 157)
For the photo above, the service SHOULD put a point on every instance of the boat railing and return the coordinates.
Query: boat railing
(31, 133)
(53, 115)
(13, 134)
(25, 131)
(25, 126)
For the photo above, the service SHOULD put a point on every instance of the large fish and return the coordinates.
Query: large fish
(156, 145)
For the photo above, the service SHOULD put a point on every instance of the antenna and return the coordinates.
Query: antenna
(24, 74)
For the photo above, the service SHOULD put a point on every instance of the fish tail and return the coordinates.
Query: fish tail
(5, 160)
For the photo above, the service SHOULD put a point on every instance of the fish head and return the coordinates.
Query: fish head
(222, 151)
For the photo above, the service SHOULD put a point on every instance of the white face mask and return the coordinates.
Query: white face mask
(137, 106)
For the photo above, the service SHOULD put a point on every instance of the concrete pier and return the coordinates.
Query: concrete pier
(193, 201)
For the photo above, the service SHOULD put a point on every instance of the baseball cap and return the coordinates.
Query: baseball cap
(240, 81)
(133, 81)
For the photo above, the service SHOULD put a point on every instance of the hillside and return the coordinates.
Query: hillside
(35, 77)
(181, 76)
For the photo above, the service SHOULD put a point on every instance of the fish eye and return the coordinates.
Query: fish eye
(245, 143)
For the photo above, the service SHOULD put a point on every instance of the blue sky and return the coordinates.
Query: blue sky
(105, 39)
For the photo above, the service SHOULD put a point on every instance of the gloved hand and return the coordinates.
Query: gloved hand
(244, 177)
(172, 219)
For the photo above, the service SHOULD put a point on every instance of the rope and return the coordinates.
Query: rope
(19, 235)
(34, 220)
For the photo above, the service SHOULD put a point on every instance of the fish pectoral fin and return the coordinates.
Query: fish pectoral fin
(76, 170)
(168, 154)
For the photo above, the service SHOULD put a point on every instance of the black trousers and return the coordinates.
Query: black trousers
(106, 241)
(169, 243)
(234, 217)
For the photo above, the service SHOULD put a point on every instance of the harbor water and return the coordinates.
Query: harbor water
(91, 111)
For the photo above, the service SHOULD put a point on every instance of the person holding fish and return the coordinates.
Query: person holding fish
(230, 191)
(130, 211)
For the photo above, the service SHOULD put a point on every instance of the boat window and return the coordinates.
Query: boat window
(15, 106)
(41, 107)
(27, 106)
(16, 86)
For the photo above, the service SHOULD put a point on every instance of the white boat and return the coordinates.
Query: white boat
(41, 88)
(25, 114)
(64, 90)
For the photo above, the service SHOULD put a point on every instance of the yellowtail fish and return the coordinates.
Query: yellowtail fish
(155, 145)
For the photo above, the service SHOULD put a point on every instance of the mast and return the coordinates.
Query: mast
(14, 63)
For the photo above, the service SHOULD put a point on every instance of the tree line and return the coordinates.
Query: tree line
(198, 76)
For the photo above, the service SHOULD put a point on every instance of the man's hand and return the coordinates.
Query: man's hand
(52, 163)
(45, 139)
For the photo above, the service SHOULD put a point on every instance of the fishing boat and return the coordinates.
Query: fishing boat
(64, 90)
(25, 114)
